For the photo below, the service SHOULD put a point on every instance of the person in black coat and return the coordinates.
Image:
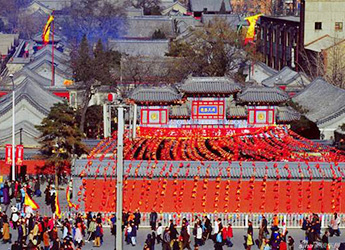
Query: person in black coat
(137, 217)
(153, 220)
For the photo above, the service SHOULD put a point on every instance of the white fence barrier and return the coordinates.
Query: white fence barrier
(237, 220)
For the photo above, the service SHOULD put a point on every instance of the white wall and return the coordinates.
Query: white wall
(326, 11)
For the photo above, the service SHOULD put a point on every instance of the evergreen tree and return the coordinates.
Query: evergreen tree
(60, 138)
(92, 69)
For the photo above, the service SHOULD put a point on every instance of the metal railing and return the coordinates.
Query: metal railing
(237, 220)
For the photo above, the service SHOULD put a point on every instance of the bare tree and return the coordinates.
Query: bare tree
(214, 50)
(328, 64)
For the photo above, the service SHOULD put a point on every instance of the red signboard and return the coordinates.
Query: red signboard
(19, 155)
(8, 154)
(261, 116)
(214, 110)
(154, 116)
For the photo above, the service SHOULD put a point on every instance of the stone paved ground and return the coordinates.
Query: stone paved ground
(238, 241)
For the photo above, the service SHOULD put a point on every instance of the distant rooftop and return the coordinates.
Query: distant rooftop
(285, 18)
(323, 43)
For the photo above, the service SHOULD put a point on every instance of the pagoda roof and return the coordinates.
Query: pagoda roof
(38, 38)
(322, 101)
(287, 114)
(262, 95)
(47, 50)
(155, 95)
(34, 93)
(209, 86)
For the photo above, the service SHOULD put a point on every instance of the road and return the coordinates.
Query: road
(238, 240)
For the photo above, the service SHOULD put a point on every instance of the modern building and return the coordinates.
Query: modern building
(324, 17)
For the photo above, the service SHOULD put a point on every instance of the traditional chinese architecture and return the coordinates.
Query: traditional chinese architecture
(324, 104)
(33, 103)
(212, 102)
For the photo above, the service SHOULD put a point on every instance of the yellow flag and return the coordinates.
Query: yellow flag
(46, 30)
(57, 205)
(251, 30)
(30, 202)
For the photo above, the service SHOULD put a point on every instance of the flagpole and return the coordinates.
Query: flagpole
(53, 67)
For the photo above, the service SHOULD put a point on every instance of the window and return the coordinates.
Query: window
(318, 26)
(338, 26)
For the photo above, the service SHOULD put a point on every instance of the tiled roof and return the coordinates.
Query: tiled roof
(210, 85)
(145, 26)
(137, 47)
(322, 101)
(33, 92)
(236, 111)
(286, 77)
(261, 94)
(322, 171)
(287, 114)
(210, 5)
(323, 43)
(38, 38)
(180, 111)
(163, 94)
(232, 19)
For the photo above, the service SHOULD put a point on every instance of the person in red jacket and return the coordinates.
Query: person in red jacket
(227, 235)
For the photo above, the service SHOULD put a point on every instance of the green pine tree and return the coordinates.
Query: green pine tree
(60, 139)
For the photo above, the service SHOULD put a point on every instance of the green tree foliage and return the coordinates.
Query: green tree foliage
(60, 138)
(214, 50)
(94, 122)
(91, 69)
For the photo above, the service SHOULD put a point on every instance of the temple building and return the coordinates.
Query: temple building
(212, 102)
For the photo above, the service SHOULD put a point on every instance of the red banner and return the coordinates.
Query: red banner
(19, 155)
(8, 154)
(194, 132)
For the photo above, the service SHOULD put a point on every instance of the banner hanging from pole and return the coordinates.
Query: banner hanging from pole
(19, 155)
(8, 154)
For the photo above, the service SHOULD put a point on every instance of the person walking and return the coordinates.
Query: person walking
(98, 234)
(185, 237)
(133, 234)
(78, 237)
(46, 244)
(159, 233)
(198, 236)
(6, 238)
(166, 239)
(6, 196)
(137, 218)
(250, 241)
(227, 235)
(290, 243)
(334, 227)
(325, 241)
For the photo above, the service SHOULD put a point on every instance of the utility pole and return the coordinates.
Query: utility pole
(119, 176)
(13, 131)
